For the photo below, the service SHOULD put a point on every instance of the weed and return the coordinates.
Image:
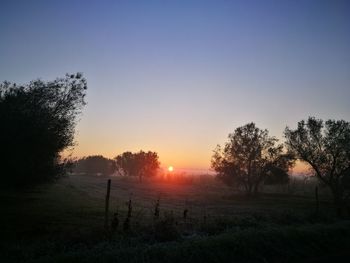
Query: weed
(157, 209)
(129, 208)
(126, 225)
(185, 214)
(115, 223)
(165, 229)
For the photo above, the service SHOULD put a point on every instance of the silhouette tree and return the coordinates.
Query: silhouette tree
(277, 177)
(139, 164)
(325, 146)
(96, 164)
(148, 163)
(249, 158)
(37, 123)
(126, 164)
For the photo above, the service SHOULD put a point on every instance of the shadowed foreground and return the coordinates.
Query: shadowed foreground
(64, 223)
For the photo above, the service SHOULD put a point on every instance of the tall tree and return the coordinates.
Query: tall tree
(148, 163)
(141, 164)
(37, 123)
(126, 164)
(249, 158)
(325, 146)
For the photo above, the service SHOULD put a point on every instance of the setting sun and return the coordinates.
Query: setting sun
(170, 168)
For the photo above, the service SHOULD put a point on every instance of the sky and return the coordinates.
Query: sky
(176, 77)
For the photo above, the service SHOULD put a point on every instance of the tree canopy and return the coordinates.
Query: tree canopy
(249, 158)
(325, 146)
(37, 123)
(141, 164)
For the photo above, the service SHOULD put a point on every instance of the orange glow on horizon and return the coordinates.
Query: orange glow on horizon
(170, 169)
(184, 156)
(188, 156)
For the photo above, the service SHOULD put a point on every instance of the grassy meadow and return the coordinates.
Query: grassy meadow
(64, 222)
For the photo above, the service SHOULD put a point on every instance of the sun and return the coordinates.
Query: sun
(170, 168)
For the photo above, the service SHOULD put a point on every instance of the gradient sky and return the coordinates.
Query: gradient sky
(177, 76)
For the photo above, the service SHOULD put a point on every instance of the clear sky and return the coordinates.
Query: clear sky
(177, 76)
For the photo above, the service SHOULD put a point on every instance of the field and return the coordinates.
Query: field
(64, 222)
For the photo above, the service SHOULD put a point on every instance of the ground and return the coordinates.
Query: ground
(64, 222)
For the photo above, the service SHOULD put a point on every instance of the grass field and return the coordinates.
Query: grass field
(64, 222)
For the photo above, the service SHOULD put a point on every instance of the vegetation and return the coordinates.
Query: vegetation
(63, 222)
(96, 164)
(325, 146)
(250, 157)
(138, 164)
(37, 123)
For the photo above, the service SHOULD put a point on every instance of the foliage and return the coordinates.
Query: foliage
(37, 123)
(138, 164)
(96, 164)
(249, 158)
(325, 146)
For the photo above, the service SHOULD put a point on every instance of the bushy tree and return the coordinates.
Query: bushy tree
(126, 164)
(141, 164)
(249, 158)
(37, 123)
(325, 146)
(96, 164)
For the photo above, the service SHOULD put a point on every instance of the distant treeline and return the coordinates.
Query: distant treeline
(140, 164)
(94, 165)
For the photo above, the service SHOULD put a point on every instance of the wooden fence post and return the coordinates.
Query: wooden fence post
(107, 203)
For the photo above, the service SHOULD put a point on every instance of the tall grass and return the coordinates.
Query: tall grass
(310, 243)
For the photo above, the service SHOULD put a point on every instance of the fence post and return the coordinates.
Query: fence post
(107, 203)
